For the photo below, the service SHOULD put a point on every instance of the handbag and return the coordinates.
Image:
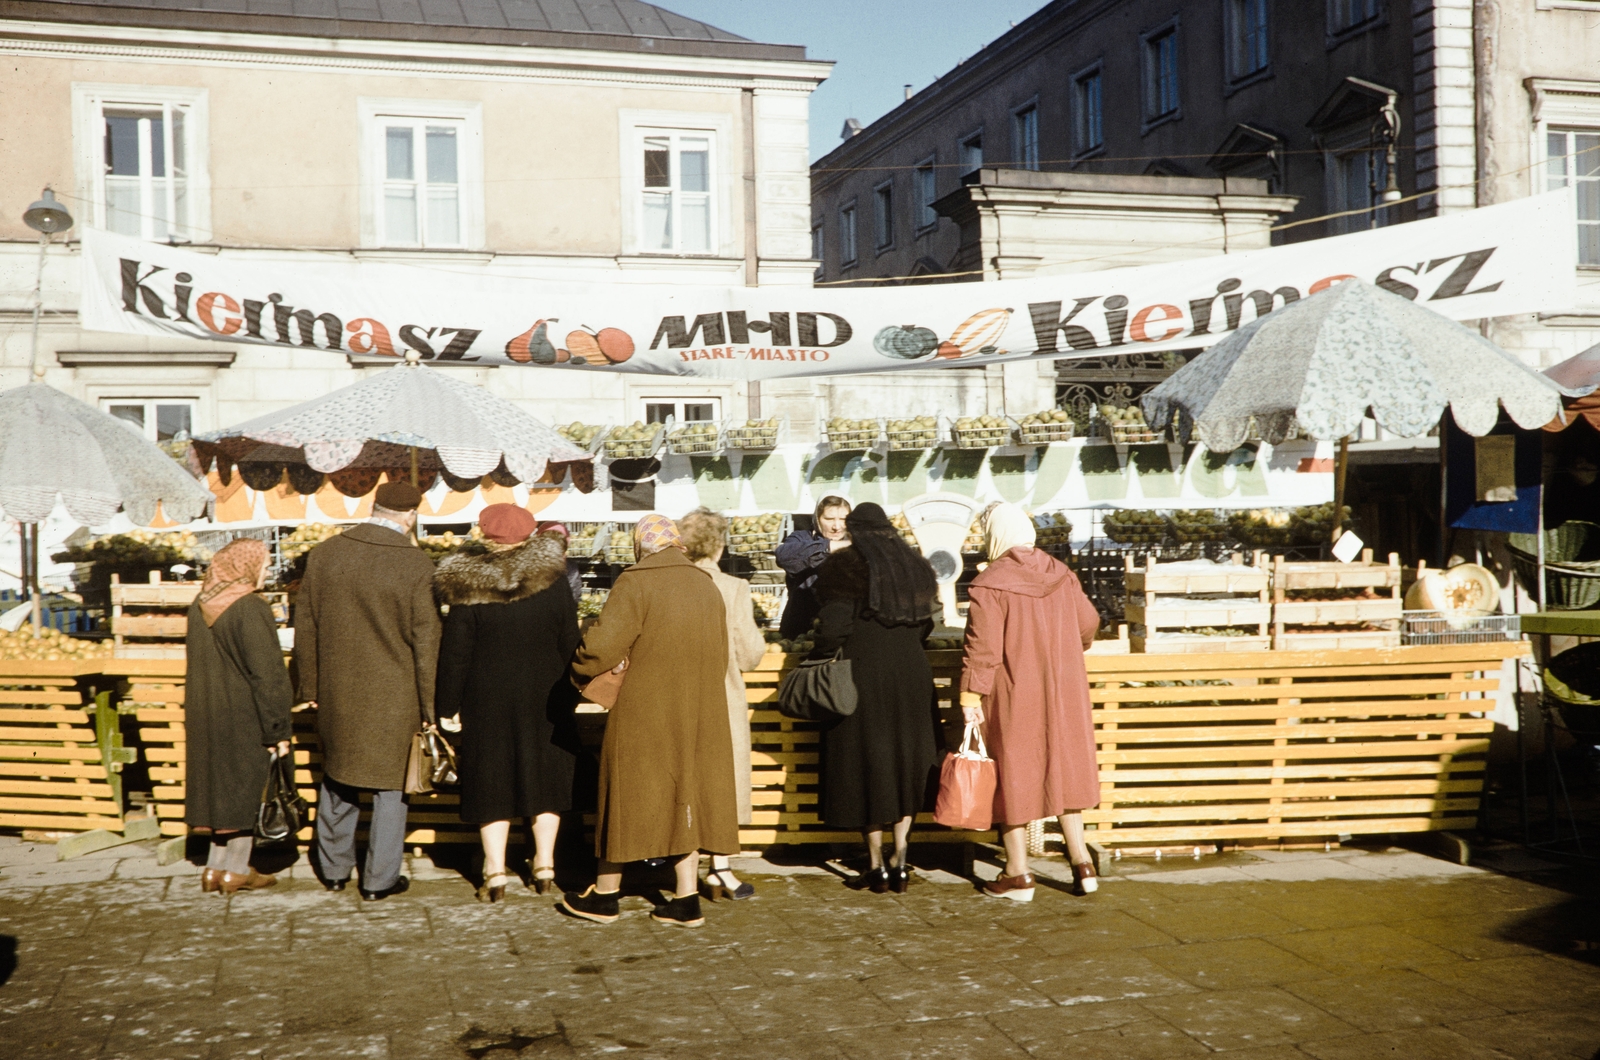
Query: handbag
(605, 689)
(818, 690)
(431, 764)
(966, 786)
(282, 812)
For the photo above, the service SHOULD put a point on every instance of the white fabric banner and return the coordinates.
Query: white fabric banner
(1518, 257)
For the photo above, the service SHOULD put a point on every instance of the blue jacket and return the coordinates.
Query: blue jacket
(800, 554)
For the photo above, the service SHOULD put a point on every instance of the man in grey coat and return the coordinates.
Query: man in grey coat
(366, 645)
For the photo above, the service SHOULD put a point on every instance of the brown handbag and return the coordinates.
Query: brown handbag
(431, 764)
(605, 689)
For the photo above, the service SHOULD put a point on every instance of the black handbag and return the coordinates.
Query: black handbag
(283, 812)
(818, 690)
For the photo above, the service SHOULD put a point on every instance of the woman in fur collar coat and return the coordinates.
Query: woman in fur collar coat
(511, 630)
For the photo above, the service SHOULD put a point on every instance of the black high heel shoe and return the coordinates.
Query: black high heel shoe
(899, 878)
(875, 879)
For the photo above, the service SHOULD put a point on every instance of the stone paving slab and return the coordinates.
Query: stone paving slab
(1264, 956)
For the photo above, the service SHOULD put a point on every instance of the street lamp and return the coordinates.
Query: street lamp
(47, 217)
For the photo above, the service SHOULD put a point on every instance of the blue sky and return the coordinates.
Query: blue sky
(877, 46)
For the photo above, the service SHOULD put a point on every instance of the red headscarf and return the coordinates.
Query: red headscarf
(235, 569)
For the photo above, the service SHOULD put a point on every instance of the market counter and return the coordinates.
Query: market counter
(1200, 748)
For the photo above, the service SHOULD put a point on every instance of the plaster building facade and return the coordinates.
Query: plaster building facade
(606, 140)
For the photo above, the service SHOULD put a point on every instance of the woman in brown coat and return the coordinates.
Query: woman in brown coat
(666, 763)
(1023, 677)
(705, 534)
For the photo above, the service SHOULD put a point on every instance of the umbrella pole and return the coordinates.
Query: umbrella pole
(33, 578)
(413, 464)
(1340, 466)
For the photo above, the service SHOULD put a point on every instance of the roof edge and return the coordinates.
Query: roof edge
(361, 29)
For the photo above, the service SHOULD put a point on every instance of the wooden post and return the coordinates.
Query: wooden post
(413, 450)
(1341, 465)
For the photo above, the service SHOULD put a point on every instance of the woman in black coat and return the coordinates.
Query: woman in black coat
(236, 715)
(511, 630)
(877, 600)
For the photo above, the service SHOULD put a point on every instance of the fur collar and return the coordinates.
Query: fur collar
(501, 577)
(842, 576)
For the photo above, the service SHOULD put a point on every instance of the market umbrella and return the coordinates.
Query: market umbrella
(408, 415)
(56, 448)
(1577, 372)
(1325, 361)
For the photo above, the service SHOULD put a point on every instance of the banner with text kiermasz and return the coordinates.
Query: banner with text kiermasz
(1518, 257)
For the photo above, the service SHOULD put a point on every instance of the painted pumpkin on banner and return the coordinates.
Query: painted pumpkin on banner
(979, 333)
(907, 342)
(610, 345)
(533, 346)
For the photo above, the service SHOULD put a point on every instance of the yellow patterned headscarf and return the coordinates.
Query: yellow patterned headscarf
(653, 533)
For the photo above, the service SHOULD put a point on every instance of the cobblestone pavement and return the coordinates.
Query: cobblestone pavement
(1352, 954)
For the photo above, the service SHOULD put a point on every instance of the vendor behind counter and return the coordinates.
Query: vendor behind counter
(801, 553)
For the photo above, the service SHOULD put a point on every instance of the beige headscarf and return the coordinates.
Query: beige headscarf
(235, 569)
(1005, 527)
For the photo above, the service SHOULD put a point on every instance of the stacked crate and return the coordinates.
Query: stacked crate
(150, 620)
(1348, 605)
(1180, 604)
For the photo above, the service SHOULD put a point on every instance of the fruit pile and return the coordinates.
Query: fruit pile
(699, 437)
(800, 645)
(1052, 530)
(1314, 525)
(1260, 527)
(755, 533)
(581, 544)
(591, 603)
(1135, 527)
(635, 440)
(973, 545)
(852, 434)
(306, 537)
(441, 545)
(620, 548)
(981, 432)
(755, 434)
(51, 645)
(920, 432)
(137, 548)
(1126, 424)
(580, 434)
(1053, 426)
(1198, 525)
(902, 524)
(767, 608)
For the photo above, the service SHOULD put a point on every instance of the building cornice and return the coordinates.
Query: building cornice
(441, 59)
(146, 358)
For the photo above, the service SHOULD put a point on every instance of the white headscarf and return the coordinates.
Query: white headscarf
(1005, 527)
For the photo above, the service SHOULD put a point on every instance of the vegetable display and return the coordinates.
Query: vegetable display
(138, 548)
(919, 432)
(1126, 424)
(638, 439)
(1198, 525)
(756, 533)
(306, 537)
(981, 432)
(1128, 527)
(580, 434)
(438, 546)
(852, 434)
(700, 437)
(51, 645)
(754, 434)
(1040, 427)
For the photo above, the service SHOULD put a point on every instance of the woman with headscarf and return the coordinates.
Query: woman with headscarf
(705, 535)
(666, 763)
(801, 554)
(236, 712)
(510, 633)
(1023, 677)
(878, 598)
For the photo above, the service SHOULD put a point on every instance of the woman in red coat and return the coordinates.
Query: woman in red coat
(1023, 678)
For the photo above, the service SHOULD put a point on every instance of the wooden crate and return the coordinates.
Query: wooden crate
(1274, 745)
(139, 633)
(1186, 596)
(57, 752)
(1196, 644)
(1335, 616)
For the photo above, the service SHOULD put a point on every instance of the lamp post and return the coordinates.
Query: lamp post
(47, 217)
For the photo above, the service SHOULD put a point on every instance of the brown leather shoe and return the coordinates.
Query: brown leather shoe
(1016, 888)
(1083, 875)
(253, 881)
(210, 880)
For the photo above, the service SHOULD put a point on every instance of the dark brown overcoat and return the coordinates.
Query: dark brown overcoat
(666, 765)
(366, 643)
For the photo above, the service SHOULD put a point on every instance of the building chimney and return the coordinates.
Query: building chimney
(908, 91)
(852, 127)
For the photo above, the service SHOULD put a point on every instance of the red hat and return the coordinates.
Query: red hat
(506, 524)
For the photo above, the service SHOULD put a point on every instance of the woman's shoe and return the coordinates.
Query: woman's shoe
(494, 887)
(877, 880)
(210, 880)
(899, 878)
(681, 911)
(544, 879)
(1083, 877)
(715, 886)
(601, 907)
(1016, 888)
(232, 883)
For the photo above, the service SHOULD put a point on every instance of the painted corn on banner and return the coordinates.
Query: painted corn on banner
(1518, 257)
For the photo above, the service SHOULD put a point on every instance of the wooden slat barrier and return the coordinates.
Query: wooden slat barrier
(1191, 748)
(55, 775)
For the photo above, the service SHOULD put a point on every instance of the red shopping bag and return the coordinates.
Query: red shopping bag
(966, 786)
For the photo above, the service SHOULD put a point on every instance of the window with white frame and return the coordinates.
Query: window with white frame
(847, 234)
(677, 205)
(926, 181)
(422, 174)
(158, 419)
(883, 214)
(1088, 124)
(142, 151)
(1025, 136)
(1247, 38)
(970, 152)
(696, 409)
(1572, 160)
